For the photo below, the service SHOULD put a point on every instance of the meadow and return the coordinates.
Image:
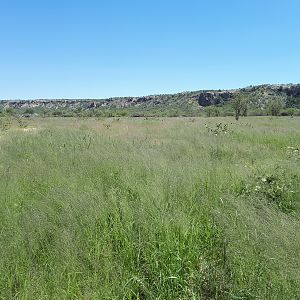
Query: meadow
(150, 208)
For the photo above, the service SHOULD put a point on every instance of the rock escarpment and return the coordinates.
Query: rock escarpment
(259, 95)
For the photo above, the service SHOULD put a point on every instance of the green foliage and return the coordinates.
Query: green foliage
(254, 100)
(57, 113)
(293, 102)
(29, 111)
(218, 128)
(240, 105)
(9, 111)
(279, 188)
(212, 111)
(274, 107)
(22, 123)
(289, 112)
(5, 123)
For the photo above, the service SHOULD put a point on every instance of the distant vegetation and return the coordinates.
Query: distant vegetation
(149, 208)
(274, 100)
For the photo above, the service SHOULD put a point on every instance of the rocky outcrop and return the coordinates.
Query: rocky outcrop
(213, 98)
(87, 104)
(257, 94)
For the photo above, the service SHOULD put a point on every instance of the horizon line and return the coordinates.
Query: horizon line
(151, 95)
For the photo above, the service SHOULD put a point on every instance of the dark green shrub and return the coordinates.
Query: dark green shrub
(10, 111)
(212, 111)
(279, 188)
(274, 107)
(29, 111)
(57, 113)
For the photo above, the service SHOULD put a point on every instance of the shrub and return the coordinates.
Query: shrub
(10, 111)
(212, 111)
(274, 107)
(278, 187)
(5, 123)
(29, 111)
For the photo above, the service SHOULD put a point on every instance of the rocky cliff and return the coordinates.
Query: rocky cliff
(257, 95)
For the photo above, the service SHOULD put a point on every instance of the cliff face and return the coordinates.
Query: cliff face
(257, 95)
(213, 98)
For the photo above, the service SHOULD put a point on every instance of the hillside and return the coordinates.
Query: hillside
(186, 102)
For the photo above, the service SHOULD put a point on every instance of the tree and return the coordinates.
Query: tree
(245, 108)
(240, 106)
(290, 111)
(212, 111)
(10, 111)
(29, 111)
(274, 107)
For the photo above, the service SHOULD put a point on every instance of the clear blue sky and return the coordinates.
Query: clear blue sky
(95, 49)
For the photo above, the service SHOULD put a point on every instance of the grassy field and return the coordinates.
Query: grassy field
(173, 208)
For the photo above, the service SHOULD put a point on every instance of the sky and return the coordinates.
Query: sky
(99, 49)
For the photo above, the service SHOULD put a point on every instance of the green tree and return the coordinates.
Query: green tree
(240, 106)
(212, 111)
(274, 107)
(10, 111)
(290, 111)
(29, 111)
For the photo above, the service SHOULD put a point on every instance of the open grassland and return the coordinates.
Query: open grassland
(174, 208)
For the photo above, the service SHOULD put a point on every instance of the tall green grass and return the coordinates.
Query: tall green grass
(150, 209)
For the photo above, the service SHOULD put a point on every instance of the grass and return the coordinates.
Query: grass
(159, 208)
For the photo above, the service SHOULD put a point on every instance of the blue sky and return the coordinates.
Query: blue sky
(97, 49)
